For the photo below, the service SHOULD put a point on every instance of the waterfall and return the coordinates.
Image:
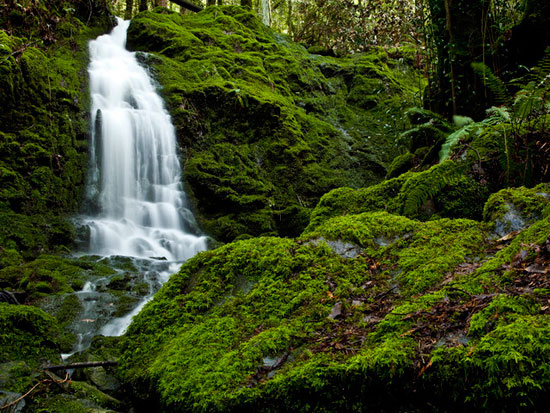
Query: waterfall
(135, 173)
(138, 207)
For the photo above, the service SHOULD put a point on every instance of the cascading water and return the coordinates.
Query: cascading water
(135, 174)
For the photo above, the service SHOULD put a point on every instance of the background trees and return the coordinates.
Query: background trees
(445, 36)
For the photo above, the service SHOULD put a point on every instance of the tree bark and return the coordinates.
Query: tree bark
(458, 35)
(246, 3)
(266, 12)
(210, 3)
(128, 11)
(187, 5)
(143, 5)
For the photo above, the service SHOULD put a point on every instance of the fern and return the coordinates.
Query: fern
(499, 89)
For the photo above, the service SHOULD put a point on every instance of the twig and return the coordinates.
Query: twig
(478, 155)
(461, 290)
(22, 49)
(23, 396)
(52, 379)
(386, 292)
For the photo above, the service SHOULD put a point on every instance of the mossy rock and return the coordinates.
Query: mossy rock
(30, 236)
(252, 319)
(28, 334)
(44, 276)
(267, 128)
(443, 191)
(400, 165)
(370, 305)
(104, 378)
(513, 209)
(43, 123)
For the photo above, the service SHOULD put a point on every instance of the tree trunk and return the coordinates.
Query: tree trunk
(186, 5)
(210, 2)
(459, 37)
(266, 12)
(143, 5)
(128, 11)
(82, 365)
(289, 19)
(246, 3)
(531, 36)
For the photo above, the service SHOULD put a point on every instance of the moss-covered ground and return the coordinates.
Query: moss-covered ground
(426, 290)
(364, 310)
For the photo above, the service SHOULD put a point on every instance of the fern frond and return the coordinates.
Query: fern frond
(544, 64)
(495, 85)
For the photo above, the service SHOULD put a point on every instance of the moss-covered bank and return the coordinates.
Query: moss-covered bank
(265, 127)
(363, 311)
(44, 119)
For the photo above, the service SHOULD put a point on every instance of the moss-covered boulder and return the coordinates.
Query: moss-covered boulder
(513, 209)
(388, 311)
(265, 127)
(444, 190)
(28, 334)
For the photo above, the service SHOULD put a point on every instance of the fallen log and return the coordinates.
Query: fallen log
(82, 365)
(187, 5)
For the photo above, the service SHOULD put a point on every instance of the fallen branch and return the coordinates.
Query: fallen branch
(82, 365)
(34, 387)
(187, 5)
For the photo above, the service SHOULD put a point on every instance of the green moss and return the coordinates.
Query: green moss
(28, 334)
(343, 201)
(437, 249)
(514, 208)
(230, 310)
(441, 191)
(501, 311)
(266, 127)
(43, 276)
(211, 336)
(83, 390)
(400, 165)
(507, 367)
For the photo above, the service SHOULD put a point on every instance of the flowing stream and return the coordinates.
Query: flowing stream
(138, 207)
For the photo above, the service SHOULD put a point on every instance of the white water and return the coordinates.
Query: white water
(135, 174)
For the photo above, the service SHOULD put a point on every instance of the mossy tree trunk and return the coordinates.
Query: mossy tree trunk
(459, 31)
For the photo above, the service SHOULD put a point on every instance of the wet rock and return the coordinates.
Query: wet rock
(511, 221)
(7, 397)
(342, 248)
(336, 311)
